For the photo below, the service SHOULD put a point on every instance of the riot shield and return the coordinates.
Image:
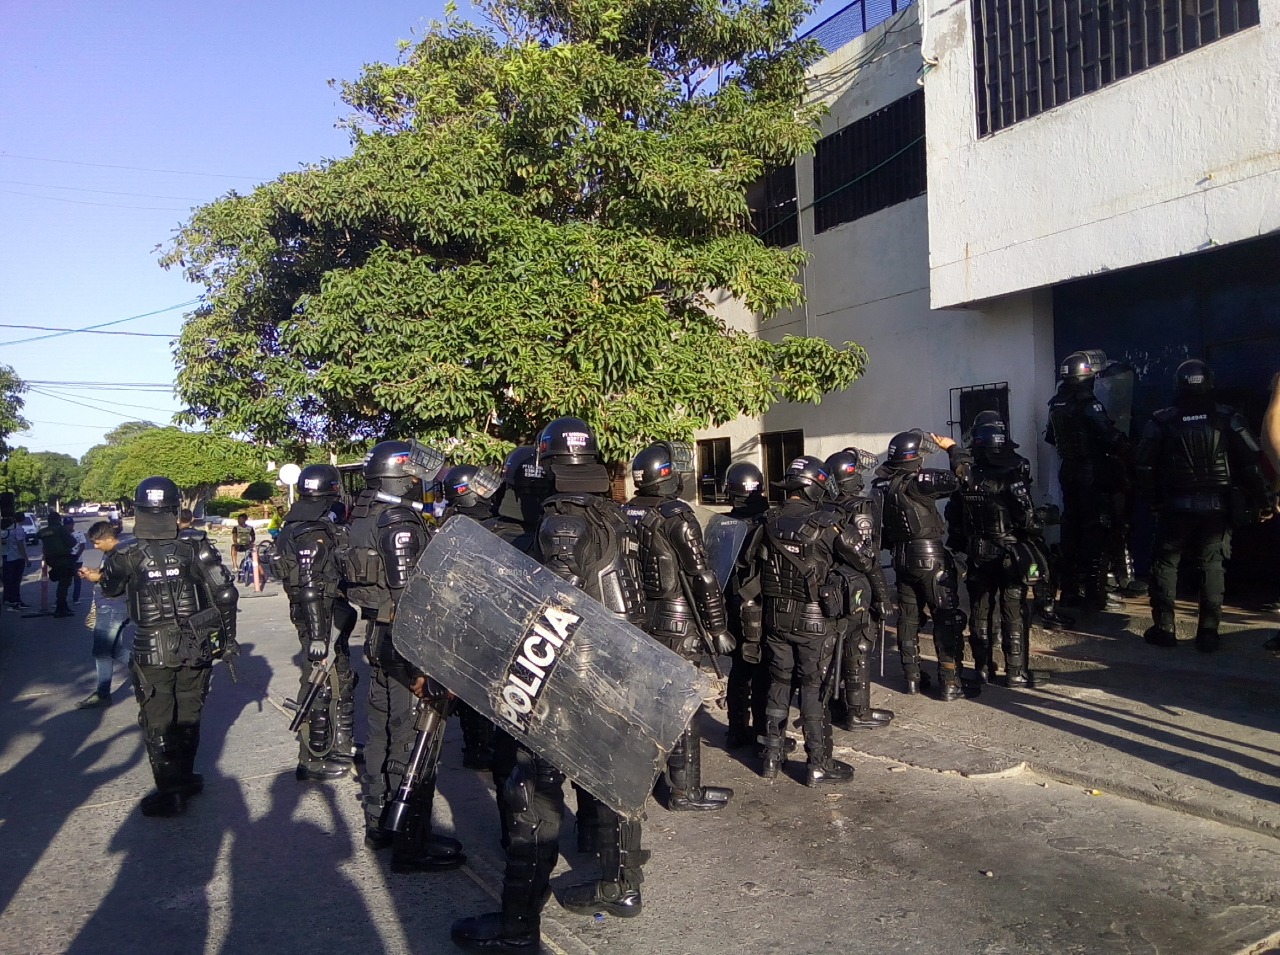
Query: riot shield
(1114, 388)
(590, 693)
(724, 538)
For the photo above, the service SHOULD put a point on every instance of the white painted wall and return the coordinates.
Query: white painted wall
(868, 281)
(1170, 161)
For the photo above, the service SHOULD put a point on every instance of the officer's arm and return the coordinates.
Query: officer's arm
(1113, 439)
(401, 543)
(219, 586)
(1024, 508)
(935, 483)
(855, 546)
(686, 538)
(115, 574)
(1150, 450)
(1245, 455)
(560, 539)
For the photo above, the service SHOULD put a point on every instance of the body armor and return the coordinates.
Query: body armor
(587, 541)
(909, 510)
(384, 543)
(674, 567)
(1184, 457)
(1087, 441)
(180, 597)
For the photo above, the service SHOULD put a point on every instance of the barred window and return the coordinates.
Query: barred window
(772, 201)
(714, 458)
(1032, 55)
(870, 165)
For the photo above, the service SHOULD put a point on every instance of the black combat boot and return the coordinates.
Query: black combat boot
(859, 714)
(415, 848)
(918, 682)
(317, 755)
(525, 886)
(684, 778)
(493, 932)
(980, 644)
(1162, 632)
(188, 743)
(774, 743)
(822, 769)
(949, 678)
(587, 821)
(1207, 640)
(1016, 660)
(621, 872)
(168, 798)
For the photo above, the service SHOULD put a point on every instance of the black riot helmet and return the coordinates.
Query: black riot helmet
(656, 472)
(522, 473)
(906, 450)
(990, 436)
(157, 494)
(847, 467)
(319, 480)
(989, 417)
(389, 467)
(808, 476)
(567, 447)
(1193, 379)
(743, 480)
(568, 441)
(1079, 367)
(467, 485)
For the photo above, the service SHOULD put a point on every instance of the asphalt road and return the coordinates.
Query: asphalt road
(970, 827)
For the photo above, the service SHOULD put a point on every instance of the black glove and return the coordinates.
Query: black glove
(227, 653)
(752, 652)
(723, 642)
(317, 650)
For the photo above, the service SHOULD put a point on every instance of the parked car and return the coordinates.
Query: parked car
(30, 528)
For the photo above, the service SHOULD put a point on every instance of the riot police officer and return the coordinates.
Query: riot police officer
(995, 516)
(585, 539)
(1096, 462)
(802, 603)
(852, 710)
(747, 693)
(307, 557)
(925, 570)
(1202, 469)
(684, 600)
(386, 536)
(518, 503)
(183, 602)
(469, 491)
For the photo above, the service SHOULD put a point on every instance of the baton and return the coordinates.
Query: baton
(882, 642)
(319, 677)
(833, 674)
(702, 631)
(386, 498)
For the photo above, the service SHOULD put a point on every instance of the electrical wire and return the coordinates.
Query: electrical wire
(115, 414)
(106, 385)
(85, 202)
(94, 331)
(119, 404)
(119, 321)
(103, 165)
(108, 192)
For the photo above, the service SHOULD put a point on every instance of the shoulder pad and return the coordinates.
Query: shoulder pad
(1165, 415)
(822, 518)
(398, 514)
(676, 508)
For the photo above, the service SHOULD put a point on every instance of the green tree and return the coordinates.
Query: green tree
(22, 477)
(533, 222)
(196, 461)
(42, 477)
(11, 420)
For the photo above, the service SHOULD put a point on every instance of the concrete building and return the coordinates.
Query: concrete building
(1016, 180)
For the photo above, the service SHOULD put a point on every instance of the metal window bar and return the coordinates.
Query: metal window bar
(851, 21)
(1032, 55)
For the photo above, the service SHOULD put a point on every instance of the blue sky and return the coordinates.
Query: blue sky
(118, 119)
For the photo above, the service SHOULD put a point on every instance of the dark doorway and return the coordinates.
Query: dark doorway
(780, 449)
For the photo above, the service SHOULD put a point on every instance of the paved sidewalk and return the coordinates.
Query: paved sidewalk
(913, 858)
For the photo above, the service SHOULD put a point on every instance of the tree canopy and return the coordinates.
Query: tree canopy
(42, 477)
(196, 461)
(11, 420)
(534, 217)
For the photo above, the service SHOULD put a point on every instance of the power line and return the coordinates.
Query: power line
(85, 202)
(88, 328)
(103, 165)
(108, 192)
(106, 385)
(64, 424)
(119, 404)
(116, 414)
(94, 331)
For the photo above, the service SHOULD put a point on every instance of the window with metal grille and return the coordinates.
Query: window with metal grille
(772, 201)
(1032, 55)
(713, 464)
(780, 449)
(870, 165)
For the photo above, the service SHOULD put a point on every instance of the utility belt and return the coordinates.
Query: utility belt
(1197, 502)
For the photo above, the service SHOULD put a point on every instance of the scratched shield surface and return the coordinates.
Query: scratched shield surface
(592, 694)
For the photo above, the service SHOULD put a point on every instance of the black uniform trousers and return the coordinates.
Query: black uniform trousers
(170, 697)
(1208, 538)
(800, 646)
(392, 709)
